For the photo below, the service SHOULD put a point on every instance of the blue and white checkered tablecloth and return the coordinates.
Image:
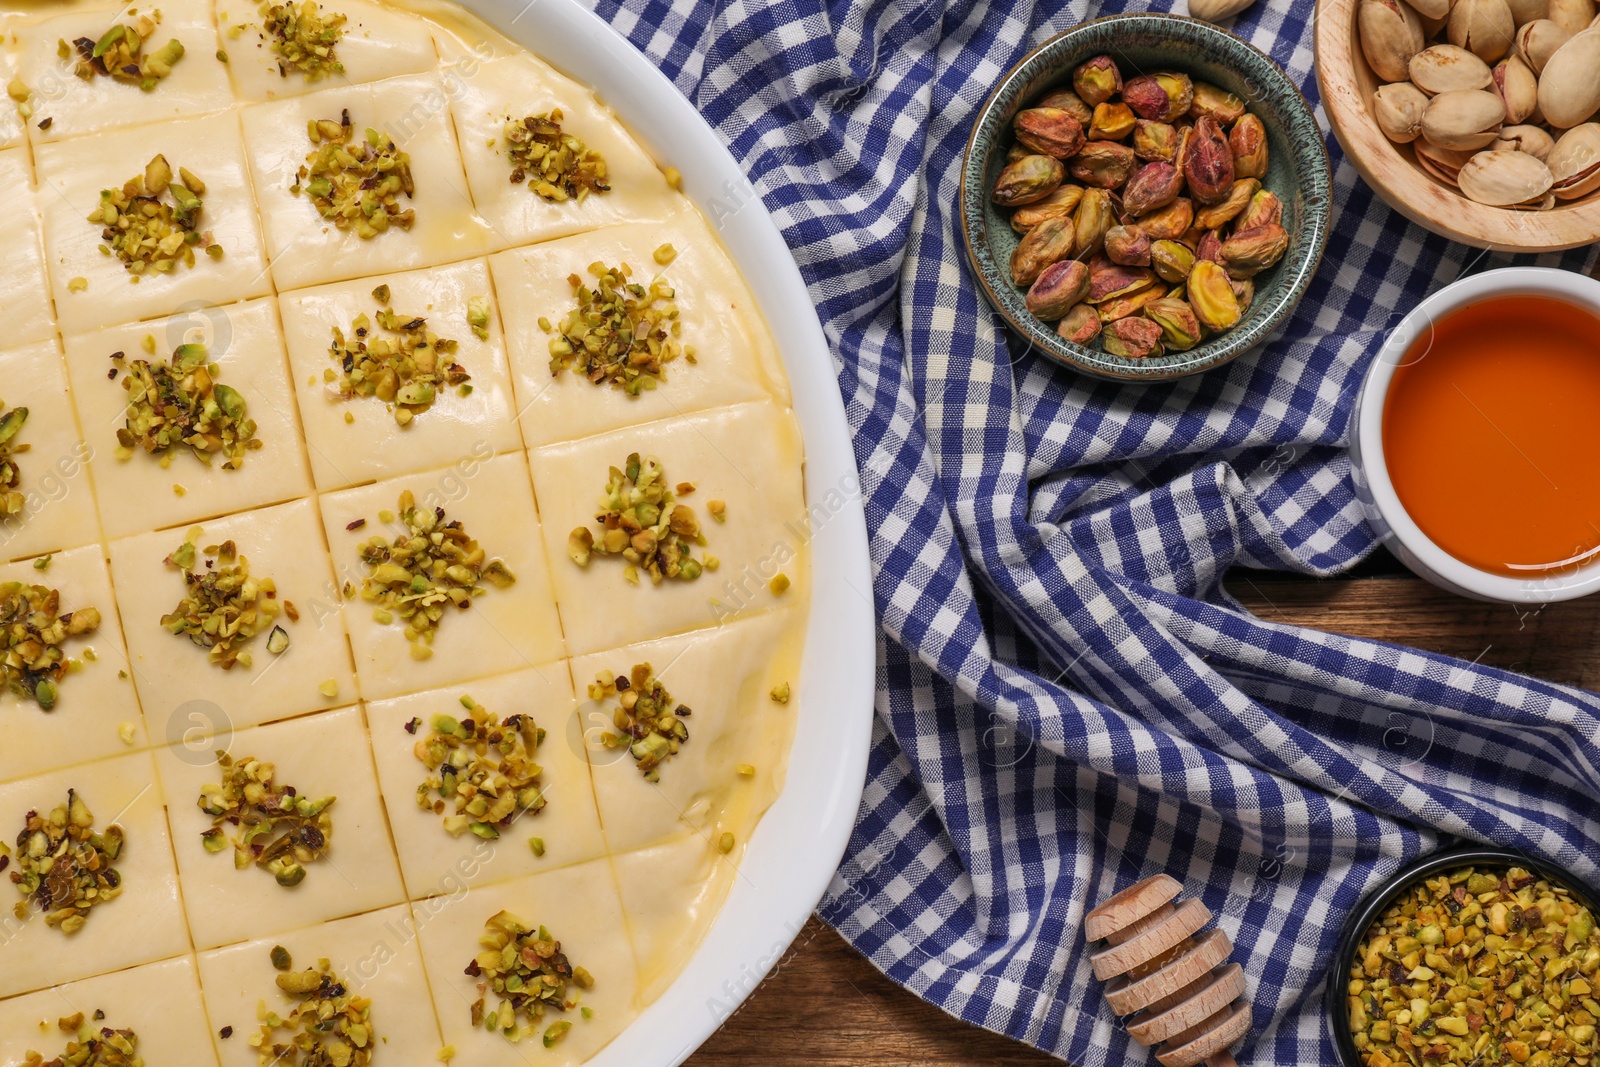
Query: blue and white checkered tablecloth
(1067, 700)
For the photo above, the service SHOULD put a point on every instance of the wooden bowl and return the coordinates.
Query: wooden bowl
(1347, 84)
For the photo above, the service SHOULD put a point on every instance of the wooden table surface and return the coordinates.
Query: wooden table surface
(825, 1006)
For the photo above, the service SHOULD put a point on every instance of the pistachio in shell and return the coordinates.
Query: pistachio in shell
(1160, 97)
(1212, 297)
(1248, 252)
(1170, 222)
(1155, 140)
(1071, 103)
(1171, 260)
(1110, 282)
(1049, 131)
(1525, 11)
(1517, 87)
(1153, 187)
(1248, 143)
(1132, 338)
(1390, 35)
(1103, 164)
(1238, 198)
(1058, 287)
(1483, 27)
(1111, 122)
(1442, 67)
(1128, 245)
(1049, 242)
(1538, 40)
(1027, 180)
(1097, 80)
(1432, 10)
(1574, 16)
(1504, 179)
(1264, 207)
(1208, 162)
(1094, 218)
(1463, 119)
(1575, 162)
(1220, 104)
(1081, 325)
(1180, 328)
(1530, 139)
(1569, 90)
(1061, 202)
(1442, 163)
(1217, 10)
(1398, 107)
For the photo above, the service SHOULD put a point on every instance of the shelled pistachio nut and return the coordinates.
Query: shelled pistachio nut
(1505, 179)
(1049, 242)
(1530, 139)
(1050, 131)
(1575, 162)
(1171, 260)
(1538, 40)
(1398, 107)
(1569, 90)
(1463, 119)
(1517, 87)
(1248, 252)
(1248, 143)
(1153, 187)
(1081, 325)
(1064, 201)
(1104, 164)
(1212, 297)
(1227, 108)
(1097, 80)
(1171, 222)
(1264, 207)
(1132, 338)
(1111, 122)
(1095, 216)
(1442, 67)
(1026, 180)
(1390, 35)
(1113, 281)
(1238, 198)
(1159, 97)
(1208, 162)
(1180, 329)
(1071, 103)
(1128, 245)
(1155, 140)
(1058, 288)
(1483, 27)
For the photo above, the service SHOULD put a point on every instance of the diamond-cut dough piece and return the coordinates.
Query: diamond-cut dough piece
(375, 955)
(724, 676)
(93, 702)
(309, 250)
(579, 906)
(748, 456)
(159, 1002)
(12, 133)
(198, 83)
(374, 445)
(734, 356)
(320, 755)
(670, 894)
(143, 924)
(138, 493)
(378, 43)
(24, 292)
(519, 86)
(59, 511)
(433, 861)
(186, 696)
(504, 630)
(73, 173)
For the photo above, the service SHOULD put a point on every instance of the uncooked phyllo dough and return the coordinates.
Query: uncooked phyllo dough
(403, 535)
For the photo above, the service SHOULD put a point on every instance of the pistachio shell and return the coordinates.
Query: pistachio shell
(1049, 131)
(1061, 202)
(1027, 180)
(1171, 222)
(1248, 143)
(1220, 104)
(1070, 102)
(1111, 122)
(1058, 288)
(1483, 27)
(1095, 217)
(1217, 10)
(1463, 119)
(1504, 179)
(1398, 108)
(1575, 162)
(1538, 40)
(1132, 338)
(1443, 67)
(1097, 80)
(1049, 242)
(1530, 139)
(1442, 163)
(1390, 36)
(1517, 87)
(1574, 16)
(1081, 325)
(1569, 91)
(1238, 198)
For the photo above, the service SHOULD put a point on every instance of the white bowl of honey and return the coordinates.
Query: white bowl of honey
(1474, 437)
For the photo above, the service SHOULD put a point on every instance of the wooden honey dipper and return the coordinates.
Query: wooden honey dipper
(1172, 986)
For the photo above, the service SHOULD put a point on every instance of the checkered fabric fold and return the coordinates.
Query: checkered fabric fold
(1067, 700)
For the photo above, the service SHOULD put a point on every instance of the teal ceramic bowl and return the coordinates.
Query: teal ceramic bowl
(1298, 172)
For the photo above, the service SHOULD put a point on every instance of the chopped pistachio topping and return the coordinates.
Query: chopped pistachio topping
(329, 1026)
(152, 223)
(620, 332)
(64, 868)
(181, 404)
(429, 567)
(281, 960)
(641, 521)
(356, 184)
(279, 830)
(406, 365)
(304, 38)
(120, 54)
(530, 978)
(779, 584)
(478, 316)
(482, 773)
(12, 501)
(1479, 965)
(91, 1046)
(725, 843)
(648, 720)
(35, 630)
(555, 164)
(780, 693)
(223, 606)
